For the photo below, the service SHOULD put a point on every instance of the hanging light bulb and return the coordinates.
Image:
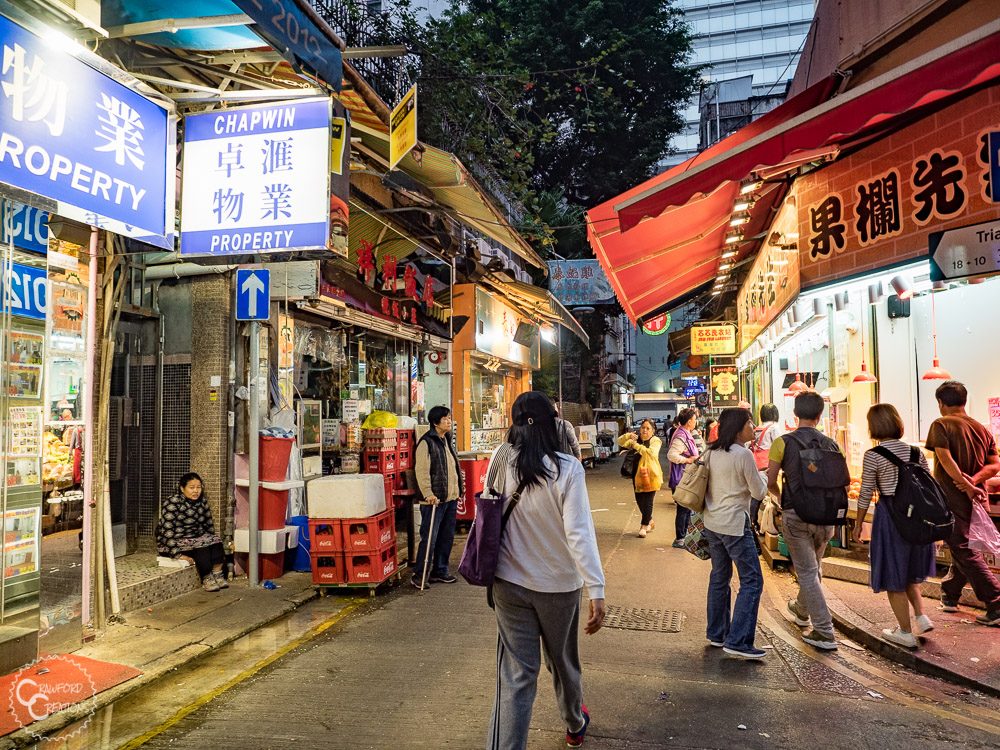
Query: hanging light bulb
(936, 372)
(864, 376)
(733, 237)
(729, 254)
(739, 220)
(742, 204)
(750, 186)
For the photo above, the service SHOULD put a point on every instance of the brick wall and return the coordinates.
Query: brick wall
(211, 302)
(954, 129)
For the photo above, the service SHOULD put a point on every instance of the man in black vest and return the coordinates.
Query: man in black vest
(439, 480)
(806, 542)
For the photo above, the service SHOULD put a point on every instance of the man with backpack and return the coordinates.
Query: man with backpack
(965, 457)
(815, 478)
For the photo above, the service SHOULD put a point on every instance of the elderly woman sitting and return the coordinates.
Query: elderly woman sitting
(186, 531)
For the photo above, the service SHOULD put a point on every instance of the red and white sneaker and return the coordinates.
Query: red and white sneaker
(575, 739)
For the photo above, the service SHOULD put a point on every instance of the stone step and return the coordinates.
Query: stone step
(856, 571)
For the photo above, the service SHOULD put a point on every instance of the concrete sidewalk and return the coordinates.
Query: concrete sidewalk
(169, 635)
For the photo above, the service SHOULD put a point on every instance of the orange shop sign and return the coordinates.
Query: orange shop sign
(713, 340)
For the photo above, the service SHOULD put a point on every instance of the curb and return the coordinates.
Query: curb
(850, 625)
(51, 725)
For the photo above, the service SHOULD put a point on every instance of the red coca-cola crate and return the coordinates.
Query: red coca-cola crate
(370, 567)
(381, 462)
(367, 534)
(404, 460)
(328, 567)
(391, 481)
(325, 535)
(406, 440)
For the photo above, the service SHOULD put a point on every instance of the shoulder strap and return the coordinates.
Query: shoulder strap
(890, 456)
(510, 506)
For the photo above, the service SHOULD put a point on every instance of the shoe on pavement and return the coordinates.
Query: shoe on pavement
(446, 578)
(209, 583)
(794, 613)
(415, 582)
(947, 605)
(642, 532)
(990, 618)
(897, 636)
(751, 653)
(820, 641)
(575, 739)
(717, 644)
(678, 543)
(922, 625)
(220, 578)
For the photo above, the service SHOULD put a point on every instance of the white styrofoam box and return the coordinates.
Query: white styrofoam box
(587, 433)
(346, 496)
(292, 537)
(271, 541)
(312, 466)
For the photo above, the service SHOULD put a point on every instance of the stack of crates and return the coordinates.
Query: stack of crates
(380, 457)
(353, 550)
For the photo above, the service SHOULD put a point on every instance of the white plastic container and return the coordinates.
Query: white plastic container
(271, 541)
(346, 496)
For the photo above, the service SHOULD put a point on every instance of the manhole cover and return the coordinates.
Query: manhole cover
(635, 618)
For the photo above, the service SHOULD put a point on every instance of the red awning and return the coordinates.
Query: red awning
(963, 64)
(661, 240)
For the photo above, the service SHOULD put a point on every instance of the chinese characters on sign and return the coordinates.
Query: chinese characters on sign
(579, 282)
(713, 340)
(725, 386)
(76, 136)
(256, 179)
(773, 282)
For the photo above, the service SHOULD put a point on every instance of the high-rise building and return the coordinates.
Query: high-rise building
(751, 48)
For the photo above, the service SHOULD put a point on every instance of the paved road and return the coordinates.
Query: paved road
(416, 670)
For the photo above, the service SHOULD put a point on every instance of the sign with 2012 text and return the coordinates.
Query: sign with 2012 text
(24, 291)
(257, 179)
(73, 135)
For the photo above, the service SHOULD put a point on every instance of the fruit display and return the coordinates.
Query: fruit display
(57, 460)
(854, 491)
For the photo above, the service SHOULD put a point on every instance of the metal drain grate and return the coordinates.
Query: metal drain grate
(635, 618)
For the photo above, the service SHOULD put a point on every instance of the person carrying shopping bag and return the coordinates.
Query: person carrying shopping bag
(548, 554)
(733, 484)
(648, 476)
(682, 451)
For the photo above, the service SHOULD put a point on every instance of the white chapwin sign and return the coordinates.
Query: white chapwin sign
(257, 179)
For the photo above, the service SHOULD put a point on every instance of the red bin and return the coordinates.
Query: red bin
(274, 455)
(272, 509)
(474, 470)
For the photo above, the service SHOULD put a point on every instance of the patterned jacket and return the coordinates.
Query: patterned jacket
(184, 525)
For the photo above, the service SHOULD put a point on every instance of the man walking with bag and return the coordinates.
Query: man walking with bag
(965, 457)
(813, 500)
(439, 480)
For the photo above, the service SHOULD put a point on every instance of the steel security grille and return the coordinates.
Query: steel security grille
(635, 618)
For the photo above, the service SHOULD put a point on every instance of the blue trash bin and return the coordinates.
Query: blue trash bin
(302, 562)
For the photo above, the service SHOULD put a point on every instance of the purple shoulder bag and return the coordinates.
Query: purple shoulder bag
(482, 548)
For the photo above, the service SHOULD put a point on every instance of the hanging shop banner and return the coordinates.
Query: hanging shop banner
(78, 137)
(725, 386)
(257, 179)
(293, 28)
(27, 226)
(657, 326)
(496, 328)
(880, 205)
(965, 251)
(772, 285)
(713, 340)
(580, 282)
(403, 127)
(340, 178)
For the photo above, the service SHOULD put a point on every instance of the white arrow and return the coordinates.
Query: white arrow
(254, 287)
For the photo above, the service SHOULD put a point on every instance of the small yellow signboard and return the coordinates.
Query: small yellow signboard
(403, 127)
(713, 339)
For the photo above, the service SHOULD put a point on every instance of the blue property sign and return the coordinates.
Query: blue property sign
(257, 179)
(24, 291)
(74, 135)
(293, 32)
(28, 226)
(253, 294)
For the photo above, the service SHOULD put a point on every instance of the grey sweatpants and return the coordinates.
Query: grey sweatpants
(525, 618)
(806, 546)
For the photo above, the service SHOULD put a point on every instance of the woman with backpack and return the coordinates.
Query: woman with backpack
(898, 567)
(682, 451)
(733, 483)
(648, 476)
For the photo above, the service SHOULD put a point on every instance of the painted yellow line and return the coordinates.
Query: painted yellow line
(242, 676)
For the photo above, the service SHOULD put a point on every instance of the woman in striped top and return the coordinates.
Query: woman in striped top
(898, 567)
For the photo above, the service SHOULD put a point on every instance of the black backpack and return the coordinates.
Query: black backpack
(817, 491)
(918, 508)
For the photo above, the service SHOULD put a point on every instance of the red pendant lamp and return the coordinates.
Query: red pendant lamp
(936, 372)
(864, 376)
(798, 385)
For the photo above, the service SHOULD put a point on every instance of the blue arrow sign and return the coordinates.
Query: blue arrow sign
(253, 294)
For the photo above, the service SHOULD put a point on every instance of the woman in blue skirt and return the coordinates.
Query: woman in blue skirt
(898, 567)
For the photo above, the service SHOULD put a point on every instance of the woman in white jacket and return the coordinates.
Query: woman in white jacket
(548, 554)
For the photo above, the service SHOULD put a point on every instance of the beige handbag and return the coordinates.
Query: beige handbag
(691, 491)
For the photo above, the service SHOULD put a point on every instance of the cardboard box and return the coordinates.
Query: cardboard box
(771, 542)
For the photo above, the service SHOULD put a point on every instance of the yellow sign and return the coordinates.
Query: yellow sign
(403, 128)
(714, 340)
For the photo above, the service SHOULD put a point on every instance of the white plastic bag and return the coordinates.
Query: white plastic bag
(983, 534)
